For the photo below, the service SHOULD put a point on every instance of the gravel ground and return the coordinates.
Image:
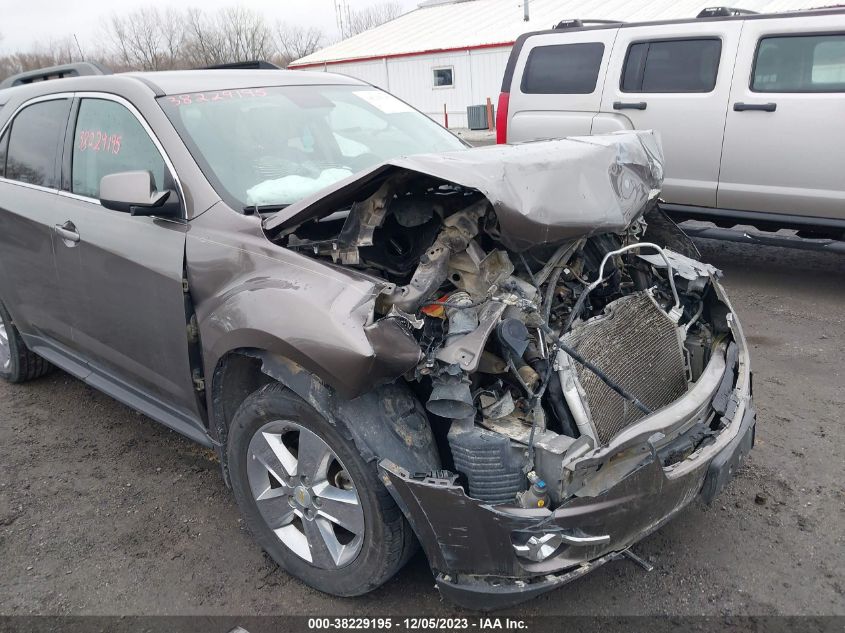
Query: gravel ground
(102, 511)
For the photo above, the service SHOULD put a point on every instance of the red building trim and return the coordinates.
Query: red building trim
(372, 58)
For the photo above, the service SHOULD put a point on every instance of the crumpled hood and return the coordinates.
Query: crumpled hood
(543, 191)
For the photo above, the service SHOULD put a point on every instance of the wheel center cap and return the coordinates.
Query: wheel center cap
(302, 496)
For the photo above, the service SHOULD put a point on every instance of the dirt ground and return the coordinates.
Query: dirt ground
(102, 511)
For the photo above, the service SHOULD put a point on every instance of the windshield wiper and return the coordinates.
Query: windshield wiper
(264, 208)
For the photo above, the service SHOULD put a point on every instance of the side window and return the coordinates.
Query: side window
(4, 141)
(34, 142)
(109, 139)
(563, 69)
(672, 66)
(800, 63)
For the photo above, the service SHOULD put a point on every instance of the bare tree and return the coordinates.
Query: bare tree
(358, 21)
(40, 56)
(153, 39)
(148, 39)
(231, 35)
(245, 34)
(204, 46)
(294, 42)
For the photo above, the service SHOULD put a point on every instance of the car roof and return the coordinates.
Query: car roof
(182, 81)
(170, 82)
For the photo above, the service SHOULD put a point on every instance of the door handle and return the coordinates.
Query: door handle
(629, 105)
(763, 107)
(67, 231)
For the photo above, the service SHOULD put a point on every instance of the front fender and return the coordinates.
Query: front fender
(251, 293)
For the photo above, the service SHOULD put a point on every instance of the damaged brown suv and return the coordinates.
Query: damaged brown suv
(506, 355)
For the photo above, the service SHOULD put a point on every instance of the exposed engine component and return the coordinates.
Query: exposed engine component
(491, 463)
(458, 229)
(529, 359)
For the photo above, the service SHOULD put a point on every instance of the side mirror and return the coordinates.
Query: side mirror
(132, 192)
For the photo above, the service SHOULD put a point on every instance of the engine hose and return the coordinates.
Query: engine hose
(550, 293)
(579, 305)
(603, 377)
(459, 306)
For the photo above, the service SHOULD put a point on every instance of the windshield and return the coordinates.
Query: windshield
(273, 146)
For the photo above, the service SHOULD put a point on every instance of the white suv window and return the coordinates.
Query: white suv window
(563, 69)
(800, 63)
(688, 65)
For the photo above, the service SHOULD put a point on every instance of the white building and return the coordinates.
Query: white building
(453, 53)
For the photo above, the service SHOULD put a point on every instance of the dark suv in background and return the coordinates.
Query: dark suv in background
(505, 354)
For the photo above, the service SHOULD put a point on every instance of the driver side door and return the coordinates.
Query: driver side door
(125, 272)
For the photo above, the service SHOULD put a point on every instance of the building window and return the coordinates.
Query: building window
(444, 77)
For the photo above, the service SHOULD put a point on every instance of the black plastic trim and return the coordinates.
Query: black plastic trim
(725, 464)
(627, 105)
(752, 218)
(187, 425)
(739, 106)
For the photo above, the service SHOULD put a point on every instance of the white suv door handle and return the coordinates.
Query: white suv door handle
(629, 105)
(764, 107)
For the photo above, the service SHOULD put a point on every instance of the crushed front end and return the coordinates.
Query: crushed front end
(585, 377)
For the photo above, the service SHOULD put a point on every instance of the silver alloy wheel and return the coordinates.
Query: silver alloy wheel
(305, 494)
(5, 347)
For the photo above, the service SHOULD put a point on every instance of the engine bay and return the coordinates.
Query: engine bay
(544, 336)
(552, 350)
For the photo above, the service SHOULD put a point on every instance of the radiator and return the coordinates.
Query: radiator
(638, 347)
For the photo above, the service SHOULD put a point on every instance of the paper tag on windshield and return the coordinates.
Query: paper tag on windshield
(383, 101)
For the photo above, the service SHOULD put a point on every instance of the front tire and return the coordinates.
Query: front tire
(309, 498)
(17, 363)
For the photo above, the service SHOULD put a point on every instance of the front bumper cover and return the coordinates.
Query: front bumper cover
(470, 544)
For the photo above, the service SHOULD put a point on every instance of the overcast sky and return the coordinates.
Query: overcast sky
(26, 23)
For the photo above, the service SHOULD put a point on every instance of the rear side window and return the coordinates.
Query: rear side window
(672, 66)
(563, 69)
(34, 142)
(4, 141)
(109, 139)
(801, 63)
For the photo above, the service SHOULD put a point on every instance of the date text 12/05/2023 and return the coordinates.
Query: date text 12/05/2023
(419, 624)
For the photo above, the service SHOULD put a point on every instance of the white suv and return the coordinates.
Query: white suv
(750, 108)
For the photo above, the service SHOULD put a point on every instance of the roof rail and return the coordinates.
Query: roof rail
(76, 69)
(577, 24)
(255, 64)
(723, 12)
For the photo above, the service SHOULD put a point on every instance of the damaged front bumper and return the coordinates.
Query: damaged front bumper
(484, 556)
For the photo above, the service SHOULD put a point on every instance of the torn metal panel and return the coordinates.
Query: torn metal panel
(541, 192)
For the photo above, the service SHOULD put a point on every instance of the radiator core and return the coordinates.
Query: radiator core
(638, 347)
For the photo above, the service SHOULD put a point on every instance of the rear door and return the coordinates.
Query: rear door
(126, 271)
(30, 156)
(557, 84)
(676, 79)
(785, 130)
